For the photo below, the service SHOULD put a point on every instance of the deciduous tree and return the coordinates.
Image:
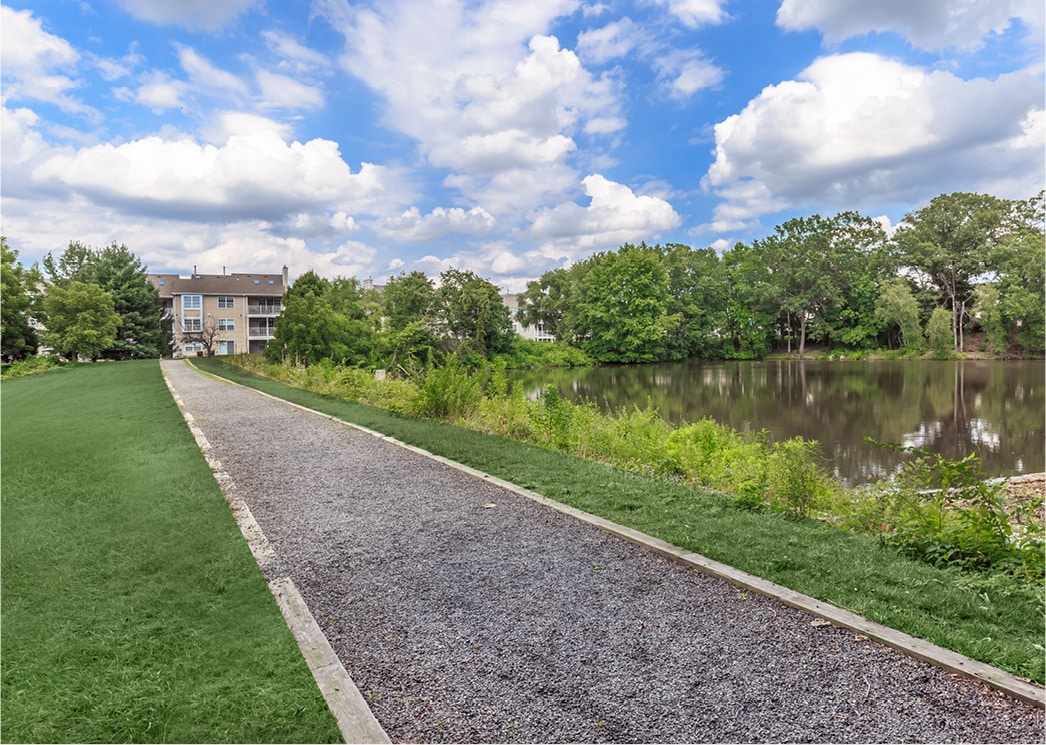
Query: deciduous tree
(81, 319)
(19, 306)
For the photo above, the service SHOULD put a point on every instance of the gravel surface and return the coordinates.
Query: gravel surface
(465, 613)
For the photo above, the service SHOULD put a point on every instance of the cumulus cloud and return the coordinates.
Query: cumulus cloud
(929, 24)
(209, 15)
(859, 129)
(413, 227)
(30, 58)
(614, 216)
(252, 176)
(480, 86)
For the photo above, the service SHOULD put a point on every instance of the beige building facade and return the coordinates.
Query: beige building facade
(238, 311)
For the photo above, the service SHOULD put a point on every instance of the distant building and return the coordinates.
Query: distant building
(238, 310)
(536, 333)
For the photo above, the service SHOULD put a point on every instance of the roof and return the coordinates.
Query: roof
(170, 285)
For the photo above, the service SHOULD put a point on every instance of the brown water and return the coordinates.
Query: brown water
(994, 409)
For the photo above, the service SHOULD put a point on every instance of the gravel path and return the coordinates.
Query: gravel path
(465, 613)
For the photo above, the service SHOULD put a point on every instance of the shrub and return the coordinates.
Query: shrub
(31, 365)
(796, 481)
(448, 392)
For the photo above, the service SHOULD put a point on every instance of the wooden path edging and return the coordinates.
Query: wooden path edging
(355, 720)
(920, 649)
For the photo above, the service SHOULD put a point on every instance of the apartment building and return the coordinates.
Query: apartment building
(537, 333)
(237, 311)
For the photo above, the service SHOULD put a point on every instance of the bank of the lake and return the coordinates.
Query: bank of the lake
(993, 408)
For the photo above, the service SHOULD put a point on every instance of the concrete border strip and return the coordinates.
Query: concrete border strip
(355, 720)
(920, 649)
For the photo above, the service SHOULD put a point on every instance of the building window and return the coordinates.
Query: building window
(226, 347)
(192, 324)
(226, 301)
(163, 282)
(192, 302)
(193, 346)
(226, 324)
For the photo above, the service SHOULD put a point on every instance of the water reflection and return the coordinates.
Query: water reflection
(995, 409)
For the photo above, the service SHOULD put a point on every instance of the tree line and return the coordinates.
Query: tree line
(88, 303)
(963, 262)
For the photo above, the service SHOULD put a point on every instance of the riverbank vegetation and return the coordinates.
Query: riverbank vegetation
(964, 264)
(133, 610)
(637, 470)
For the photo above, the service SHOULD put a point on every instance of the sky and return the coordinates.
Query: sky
(365, 139)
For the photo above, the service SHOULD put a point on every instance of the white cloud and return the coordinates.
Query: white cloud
(209, 15)
(613, 41)
(29, 58)
(204, 75)
(480, 86)
(159, 92)
(615, 215)
(280, 91)
(694, 13)
(413, 227)
(929, 24)
(862, 129)
(253, 176)
(685, 72)
(294, 56)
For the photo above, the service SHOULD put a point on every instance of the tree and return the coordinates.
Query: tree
(939, 332)
(120, 273)
(18, 308)
(1019, 262)
(751, 305)
(205, 336)
(406, 300)
(897, 306)
(987, 311)
(624, 311)
(137, 302)
(309, 329)
(545, 301)
(699, 287)
(469, 312)
(81, 319)
(950, 242)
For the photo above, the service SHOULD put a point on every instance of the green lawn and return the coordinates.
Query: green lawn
(132, 609)
(997, 619)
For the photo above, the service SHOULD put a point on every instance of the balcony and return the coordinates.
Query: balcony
(261, 330)
(264, 309)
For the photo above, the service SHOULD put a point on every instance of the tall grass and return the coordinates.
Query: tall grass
(996, 618)
(132, 609)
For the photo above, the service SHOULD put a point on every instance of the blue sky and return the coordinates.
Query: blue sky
(370, 138)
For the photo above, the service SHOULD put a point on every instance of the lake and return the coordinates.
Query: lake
(992, 408)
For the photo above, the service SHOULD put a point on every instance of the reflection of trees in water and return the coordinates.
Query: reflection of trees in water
(992, 408)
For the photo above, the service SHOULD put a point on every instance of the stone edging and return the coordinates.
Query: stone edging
(946, 659)
(354, 718)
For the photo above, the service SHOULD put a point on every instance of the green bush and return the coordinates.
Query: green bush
(30, 365)
(796, 481)
(449, 392)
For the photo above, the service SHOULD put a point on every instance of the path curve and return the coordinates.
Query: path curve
(466, 613)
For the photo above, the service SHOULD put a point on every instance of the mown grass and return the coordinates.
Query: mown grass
(132, 609)
(995, 618)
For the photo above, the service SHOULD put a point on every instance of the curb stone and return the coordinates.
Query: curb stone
(355, 720)
(945, 659)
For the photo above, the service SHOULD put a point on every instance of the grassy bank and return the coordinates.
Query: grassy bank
(991, 617)
(132, 608)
